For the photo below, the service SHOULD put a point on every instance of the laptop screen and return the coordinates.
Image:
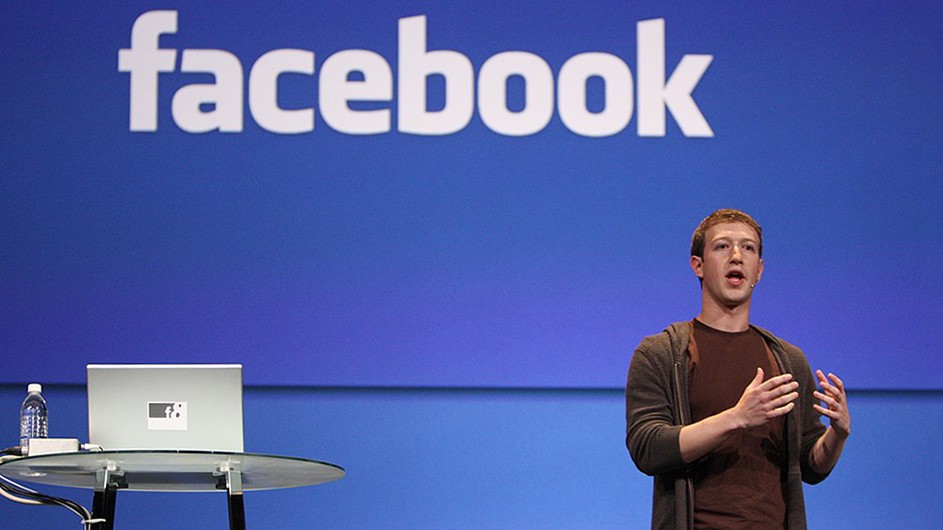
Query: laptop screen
(165, 406)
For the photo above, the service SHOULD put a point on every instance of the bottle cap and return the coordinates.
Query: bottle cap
(34, 387)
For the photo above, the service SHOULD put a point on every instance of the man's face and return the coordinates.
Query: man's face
(731, 265)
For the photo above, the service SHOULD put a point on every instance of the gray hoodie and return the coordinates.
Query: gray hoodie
(656, 407)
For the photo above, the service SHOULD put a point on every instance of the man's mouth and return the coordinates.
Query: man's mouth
(735, 277)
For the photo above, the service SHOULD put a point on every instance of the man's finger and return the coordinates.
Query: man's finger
(758, 378)
(783, 400)
(774, 382)
(782, 410)
(838, 382)
(831, 401)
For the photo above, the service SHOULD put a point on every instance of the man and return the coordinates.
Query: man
(724, 414)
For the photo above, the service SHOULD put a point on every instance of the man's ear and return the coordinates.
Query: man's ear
(697, 265)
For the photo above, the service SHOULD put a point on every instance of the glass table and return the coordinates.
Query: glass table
(106, 472)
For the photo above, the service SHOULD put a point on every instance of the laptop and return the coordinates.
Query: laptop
(165, 406)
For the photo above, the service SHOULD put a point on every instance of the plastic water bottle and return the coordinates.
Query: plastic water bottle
(34, 417)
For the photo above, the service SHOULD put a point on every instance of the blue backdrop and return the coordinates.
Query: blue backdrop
(475, 256)
(488, 265)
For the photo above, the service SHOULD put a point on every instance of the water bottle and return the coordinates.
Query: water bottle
(34, 418)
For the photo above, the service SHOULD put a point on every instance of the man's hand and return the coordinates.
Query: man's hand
(828, 448)
(832, 396)
(762, 401)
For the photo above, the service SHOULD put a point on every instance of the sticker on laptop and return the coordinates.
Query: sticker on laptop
(167, 415)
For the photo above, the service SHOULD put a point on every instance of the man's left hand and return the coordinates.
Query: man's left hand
(832, 395)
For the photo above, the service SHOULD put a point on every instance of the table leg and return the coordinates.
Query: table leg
(237, 509)
(103, 502)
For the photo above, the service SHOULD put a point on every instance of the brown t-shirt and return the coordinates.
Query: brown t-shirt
(739, 485)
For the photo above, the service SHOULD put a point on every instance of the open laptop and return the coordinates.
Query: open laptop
(165, 406)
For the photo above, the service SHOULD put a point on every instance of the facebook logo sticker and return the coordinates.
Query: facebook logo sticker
(167, 416)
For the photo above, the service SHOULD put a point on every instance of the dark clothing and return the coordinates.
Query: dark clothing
(738, 486)
(657, 406)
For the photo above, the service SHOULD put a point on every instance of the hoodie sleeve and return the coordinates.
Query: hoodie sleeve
(811, 421)
(652, 431)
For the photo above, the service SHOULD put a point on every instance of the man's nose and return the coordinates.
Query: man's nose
(735, 254)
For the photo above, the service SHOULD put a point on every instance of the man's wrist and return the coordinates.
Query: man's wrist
(841, 434)
(731, 421)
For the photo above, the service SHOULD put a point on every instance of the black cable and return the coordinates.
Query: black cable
(17, 490)
(73, 506)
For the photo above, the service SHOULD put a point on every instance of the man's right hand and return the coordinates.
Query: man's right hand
(762, 401)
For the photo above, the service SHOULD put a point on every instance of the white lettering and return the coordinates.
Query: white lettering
(224, 96)
(355, 87)
(144, 60)
(416, 64)
(538, 93)
(336, 91)
(617, 77)
(654, 94)
(263, 91)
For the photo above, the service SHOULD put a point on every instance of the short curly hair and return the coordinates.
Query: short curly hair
(725, 215)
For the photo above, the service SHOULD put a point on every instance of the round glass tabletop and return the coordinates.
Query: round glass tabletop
(170, 470)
